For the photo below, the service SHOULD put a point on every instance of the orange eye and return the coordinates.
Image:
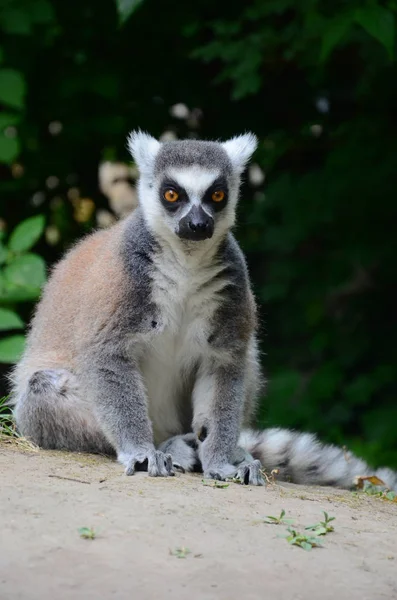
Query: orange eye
(171, 196)
(218, 196)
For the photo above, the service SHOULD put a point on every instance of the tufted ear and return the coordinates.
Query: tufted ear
(240, 150)
(143, 148)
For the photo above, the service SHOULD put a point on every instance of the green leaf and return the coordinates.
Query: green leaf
(306, 546)
(270, 520)
(291, 539)
(12, 88)
(11, 348)
(391, 495)
(320, 531)
(10, 293)
(87, 533)
(9, 149)
(9, 320)
(1, 54)
(7, 118)
(9, 146)
(378, 22)
(27, 270)
(335, 31)
(126, 8)
(26, 234)
(15, 21)
(3, 253)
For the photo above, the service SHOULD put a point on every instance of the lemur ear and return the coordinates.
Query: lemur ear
(143, 148)
(240, 150)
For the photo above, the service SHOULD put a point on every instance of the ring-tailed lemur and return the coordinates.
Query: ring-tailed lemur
(144, 342)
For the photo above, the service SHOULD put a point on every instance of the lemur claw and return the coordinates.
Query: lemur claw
(156, 463)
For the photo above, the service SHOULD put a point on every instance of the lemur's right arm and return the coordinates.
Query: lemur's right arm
(119, 312)
(121, 407)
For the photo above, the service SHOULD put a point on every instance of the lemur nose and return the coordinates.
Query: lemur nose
(196, 225)
(200, 226)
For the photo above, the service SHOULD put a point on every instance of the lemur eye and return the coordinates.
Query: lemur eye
(171, 195)
(218, 196)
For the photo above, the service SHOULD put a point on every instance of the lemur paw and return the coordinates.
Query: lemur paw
(156, 463)
(221, 473)
(160, 465)
(250, 473)
(183, 449)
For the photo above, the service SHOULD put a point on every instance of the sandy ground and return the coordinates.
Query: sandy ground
(140, 521)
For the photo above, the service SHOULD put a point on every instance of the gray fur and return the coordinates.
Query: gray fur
(144, 344)
(111, 370)
(302, 458)
(53, 416)
(186, 153)
(184, 452)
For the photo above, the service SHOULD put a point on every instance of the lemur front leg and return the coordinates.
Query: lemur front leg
(116, 387)
(218, 399)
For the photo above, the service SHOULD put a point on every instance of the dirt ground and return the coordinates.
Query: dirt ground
(140, 521)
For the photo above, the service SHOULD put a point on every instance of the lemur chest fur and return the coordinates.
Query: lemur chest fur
(187, 300)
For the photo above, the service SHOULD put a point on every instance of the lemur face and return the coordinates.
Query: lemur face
(189, 189)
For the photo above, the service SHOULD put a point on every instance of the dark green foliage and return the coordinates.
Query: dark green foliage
(317, 82)
(22, 275)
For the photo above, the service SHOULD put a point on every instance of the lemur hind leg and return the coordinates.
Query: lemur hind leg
(184, 450)
(50, 412)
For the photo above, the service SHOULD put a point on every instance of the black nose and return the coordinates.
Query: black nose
(199, 226)
(196, 225)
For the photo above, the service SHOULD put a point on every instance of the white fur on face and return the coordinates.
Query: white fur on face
(195, 181)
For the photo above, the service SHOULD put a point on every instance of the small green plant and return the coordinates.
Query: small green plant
(215, 484)
(7, 426)
(8, 430)
(322, 527)
(375, 492)
(180, 552)
(373, 486)
(87, 533)
(278, 520)
(303, 540)
(390, 495)
(307, 542)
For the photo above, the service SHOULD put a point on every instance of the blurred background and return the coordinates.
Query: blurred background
(316, 81)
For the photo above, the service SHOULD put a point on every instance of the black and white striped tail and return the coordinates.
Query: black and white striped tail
(302, 458)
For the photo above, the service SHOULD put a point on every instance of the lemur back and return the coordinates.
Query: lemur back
(144, 342)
